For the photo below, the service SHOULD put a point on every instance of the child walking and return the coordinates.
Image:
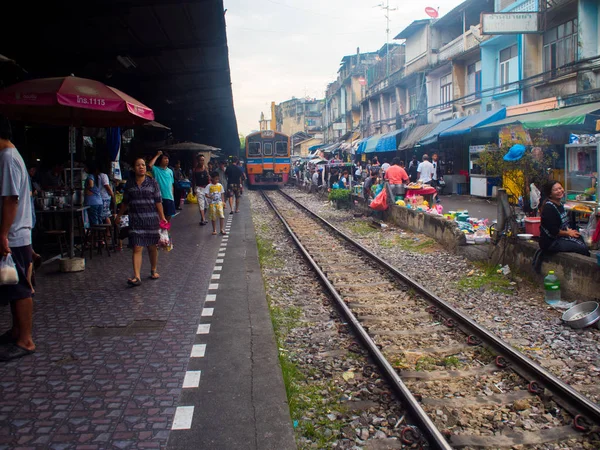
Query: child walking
(214, 193)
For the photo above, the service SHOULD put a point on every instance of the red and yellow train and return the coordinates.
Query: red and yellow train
(268, 161)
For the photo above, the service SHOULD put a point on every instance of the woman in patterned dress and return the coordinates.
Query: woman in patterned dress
(142, 198)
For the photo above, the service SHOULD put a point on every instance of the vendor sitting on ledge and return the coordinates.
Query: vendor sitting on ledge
(555, 232)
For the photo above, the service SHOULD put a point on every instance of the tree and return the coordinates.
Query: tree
(242, 144)
(534, 167)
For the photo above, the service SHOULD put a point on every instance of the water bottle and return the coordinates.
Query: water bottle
(551, 288)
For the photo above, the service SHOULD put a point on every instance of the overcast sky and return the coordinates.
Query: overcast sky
(279, 49)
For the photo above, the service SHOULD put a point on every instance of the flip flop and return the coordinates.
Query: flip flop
(223, 233)
(134, 282)
(154, 275)
(7, 338)
(214, 233)
(231, 212)
(12, 351)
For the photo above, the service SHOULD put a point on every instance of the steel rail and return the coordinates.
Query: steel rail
(564, 394)
(426, 426)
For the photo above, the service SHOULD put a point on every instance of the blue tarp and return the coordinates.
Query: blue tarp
(363, 146)
(432, 137)
(476, 120)
(372, 144)
(387, 142)
(314, 147)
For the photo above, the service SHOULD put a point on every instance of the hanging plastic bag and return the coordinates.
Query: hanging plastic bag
(380, 202)
(8, 271)
(191, 198)
(534, 196)
(164, 239)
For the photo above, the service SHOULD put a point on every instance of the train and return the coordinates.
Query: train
(268, 161)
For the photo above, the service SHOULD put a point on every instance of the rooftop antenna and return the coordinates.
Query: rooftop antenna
(386, 7)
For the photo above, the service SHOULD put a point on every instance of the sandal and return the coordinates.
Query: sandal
(14, 351)
(214, 233)
(135, 281)
(223, 233)
(154, 275)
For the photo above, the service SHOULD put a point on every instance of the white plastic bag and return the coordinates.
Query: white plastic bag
(8, 271)
(534, 196)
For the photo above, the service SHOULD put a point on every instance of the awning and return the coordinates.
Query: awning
(476, 120)
(314, 147)
(582, 116)
(414, 135)
(363, 145)
(331, 148)
(387, 142)
(372, 144)
(432, 136)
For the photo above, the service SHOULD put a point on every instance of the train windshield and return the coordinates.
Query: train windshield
(254, 149)
(281, 148)
(268, 149)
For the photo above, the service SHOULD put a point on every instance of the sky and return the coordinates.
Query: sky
(279, 49)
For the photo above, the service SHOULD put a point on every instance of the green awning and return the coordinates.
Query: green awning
(372, 144)
(412, 137)
(582, 116)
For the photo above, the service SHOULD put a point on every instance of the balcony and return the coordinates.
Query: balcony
(462, 43)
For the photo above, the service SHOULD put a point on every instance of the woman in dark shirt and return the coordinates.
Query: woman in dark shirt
(199, 181)
(555, 232)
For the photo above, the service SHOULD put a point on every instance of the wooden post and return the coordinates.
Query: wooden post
(503, 209)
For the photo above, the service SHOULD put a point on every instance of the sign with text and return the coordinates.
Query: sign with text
(510, 23)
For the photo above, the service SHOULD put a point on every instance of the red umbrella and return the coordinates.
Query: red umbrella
(75, 102)
(72, 101)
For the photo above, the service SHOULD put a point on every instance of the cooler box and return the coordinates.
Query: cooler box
(532, 225)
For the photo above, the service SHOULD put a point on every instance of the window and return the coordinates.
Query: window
(268, 149)
(508, 67)
(474, 79)
(560, 46)
(254, 149)
(281, 148)
(445, 91)
(413, 99)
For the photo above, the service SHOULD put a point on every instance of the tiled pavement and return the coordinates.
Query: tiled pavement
(110, 359)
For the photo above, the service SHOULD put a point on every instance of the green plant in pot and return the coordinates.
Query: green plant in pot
(340, 197)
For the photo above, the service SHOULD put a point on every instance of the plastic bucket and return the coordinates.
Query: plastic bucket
(532, 225)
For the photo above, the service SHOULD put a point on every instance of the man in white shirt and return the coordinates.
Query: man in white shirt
(425, 171)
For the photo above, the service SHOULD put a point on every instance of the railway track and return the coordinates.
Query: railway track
(461, 385)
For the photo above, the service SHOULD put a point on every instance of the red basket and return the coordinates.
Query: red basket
(532, 225)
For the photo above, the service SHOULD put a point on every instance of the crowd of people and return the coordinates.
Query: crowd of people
(151, 195)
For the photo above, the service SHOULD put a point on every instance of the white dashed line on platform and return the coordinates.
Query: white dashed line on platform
(198, 351)
(211, 297)
(220, 261)
(203, 328)
(215, 276)
(213, 286)
(183, 418)
(207, 312)
(192, 379)
(218, 268)
(221, 255)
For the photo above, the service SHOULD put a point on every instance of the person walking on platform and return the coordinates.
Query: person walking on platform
(179, 177)
(166, 181)
(142, 198)
(200, 180)
(412, 169)
(214, 193)
(223, 180)
(16, 222)
(235, 178)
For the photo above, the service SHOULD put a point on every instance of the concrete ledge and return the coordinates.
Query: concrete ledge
(578, 274)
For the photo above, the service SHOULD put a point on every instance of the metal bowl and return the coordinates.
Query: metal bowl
(582, 315)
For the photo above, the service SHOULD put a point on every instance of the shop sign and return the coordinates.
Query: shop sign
(510, 23)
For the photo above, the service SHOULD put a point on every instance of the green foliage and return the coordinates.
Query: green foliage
(362, 228)
(486, 277)
(451, 362)
(534, 167)
(425, 363)
(242, 142)
(340, 195)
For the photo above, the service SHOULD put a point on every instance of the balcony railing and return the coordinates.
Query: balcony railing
(462, 44)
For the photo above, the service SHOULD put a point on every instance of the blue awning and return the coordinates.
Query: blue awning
(387, 142)
(476, 120)
(363, 145)
(314, 147)
(432, 137)
(372, 143)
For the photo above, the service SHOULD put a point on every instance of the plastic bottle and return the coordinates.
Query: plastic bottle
(551, 288)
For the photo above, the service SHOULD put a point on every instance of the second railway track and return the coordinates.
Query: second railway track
(462, 386)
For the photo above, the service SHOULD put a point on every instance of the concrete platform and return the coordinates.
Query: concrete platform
(113, 368)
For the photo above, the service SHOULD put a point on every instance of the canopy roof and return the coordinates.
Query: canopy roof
(372, 143)
(475, 120)
(189, 146)
(581, 116)
(410, 139)
(171, 55)
(387, 142)
(432, 136)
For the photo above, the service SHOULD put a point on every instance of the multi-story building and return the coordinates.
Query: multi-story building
(300, 115)
(344, 96)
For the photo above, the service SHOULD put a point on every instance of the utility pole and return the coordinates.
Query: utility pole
(386, 7)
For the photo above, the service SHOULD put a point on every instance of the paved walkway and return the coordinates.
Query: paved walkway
(478, 207)
(112, 360)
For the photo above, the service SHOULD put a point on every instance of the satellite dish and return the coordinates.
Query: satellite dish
(432, 12)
